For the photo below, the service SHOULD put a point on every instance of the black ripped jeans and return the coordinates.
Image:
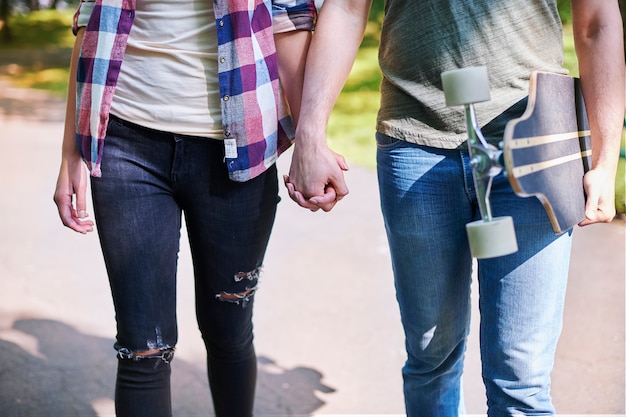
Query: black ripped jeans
(149, 178)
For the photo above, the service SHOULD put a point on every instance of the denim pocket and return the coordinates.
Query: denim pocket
(384, 142)
(114, 122)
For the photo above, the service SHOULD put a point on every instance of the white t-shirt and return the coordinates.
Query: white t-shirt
(168, 80)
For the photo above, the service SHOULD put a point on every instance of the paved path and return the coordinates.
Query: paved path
(327, 328)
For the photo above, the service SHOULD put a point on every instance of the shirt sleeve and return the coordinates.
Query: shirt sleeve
(82, 14)
(290, 15)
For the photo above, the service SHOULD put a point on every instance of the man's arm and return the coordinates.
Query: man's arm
(316, 176)
(599, 46)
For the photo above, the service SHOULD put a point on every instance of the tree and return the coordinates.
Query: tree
(5, 12)
(33, 5)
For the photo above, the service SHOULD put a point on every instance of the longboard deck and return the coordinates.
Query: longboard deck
(547, 151)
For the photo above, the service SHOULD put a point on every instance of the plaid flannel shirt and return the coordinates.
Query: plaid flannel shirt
(255, 119)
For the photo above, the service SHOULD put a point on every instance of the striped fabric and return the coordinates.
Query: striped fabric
(255, 119)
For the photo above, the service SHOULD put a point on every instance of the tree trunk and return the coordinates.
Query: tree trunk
(33, 5)
(5, 11)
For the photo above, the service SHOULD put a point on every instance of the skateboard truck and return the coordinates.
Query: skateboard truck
(489, 237)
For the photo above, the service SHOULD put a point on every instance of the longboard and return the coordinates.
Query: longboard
(547, 151)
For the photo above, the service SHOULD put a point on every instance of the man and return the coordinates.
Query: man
(427, 193)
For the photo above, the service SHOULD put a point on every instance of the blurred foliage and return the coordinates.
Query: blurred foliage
(620, 188)
(9, 8)
(40, 29)
(565, 11)
(39, 53)
(620, 184)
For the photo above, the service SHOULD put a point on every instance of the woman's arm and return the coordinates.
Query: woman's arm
(291, 49)
(70, 195)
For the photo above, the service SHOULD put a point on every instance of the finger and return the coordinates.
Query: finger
(340, 188)
(598, 208)
(328, 197)
(81, 204)
(326, 201)
(65, 209)
(343, 164)
(77, 223)
(70, 219)
(82, 226)
(69, 216)
(299, 198)
(328, 207)
(600, 214)
(591, 205)
(303, 202)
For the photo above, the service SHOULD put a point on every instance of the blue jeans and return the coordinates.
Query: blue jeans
(149, 178)
(427, 197)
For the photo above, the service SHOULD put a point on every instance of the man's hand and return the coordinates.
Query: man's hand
(315, 179)
(600, 188)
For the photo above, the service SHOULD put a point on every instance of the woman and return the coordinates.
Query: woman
(192, 121)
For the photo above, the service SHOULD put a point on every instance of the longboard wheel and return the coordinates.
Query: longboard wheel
(465, 86)
(490, 239)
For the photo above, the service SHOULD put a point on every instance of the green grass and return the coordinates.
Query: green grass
(38, 55)
(570, 61)
(352, 123)
(40, 29)
(620, 184)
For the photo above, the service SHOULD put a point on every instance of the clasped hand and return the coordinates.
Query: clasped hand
(316, 179)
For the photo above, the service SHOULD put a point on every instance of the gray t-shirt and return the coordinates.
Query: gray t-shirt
(422, 38)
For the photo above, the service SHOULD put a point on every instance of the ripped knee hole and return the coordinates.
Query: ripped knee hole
(235, 297)
(166, 355)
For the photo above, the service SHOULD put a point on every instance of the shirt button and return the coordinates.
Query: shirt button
(221, 23)
(227, 133)
(226, 98)
(222, 60)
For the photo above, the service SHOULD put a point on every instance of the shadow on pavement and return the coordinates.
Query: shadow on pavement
(55, 370)
(343, 322)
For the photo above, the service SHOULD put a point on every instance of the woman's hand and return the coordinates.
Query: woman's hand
(70, 195)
